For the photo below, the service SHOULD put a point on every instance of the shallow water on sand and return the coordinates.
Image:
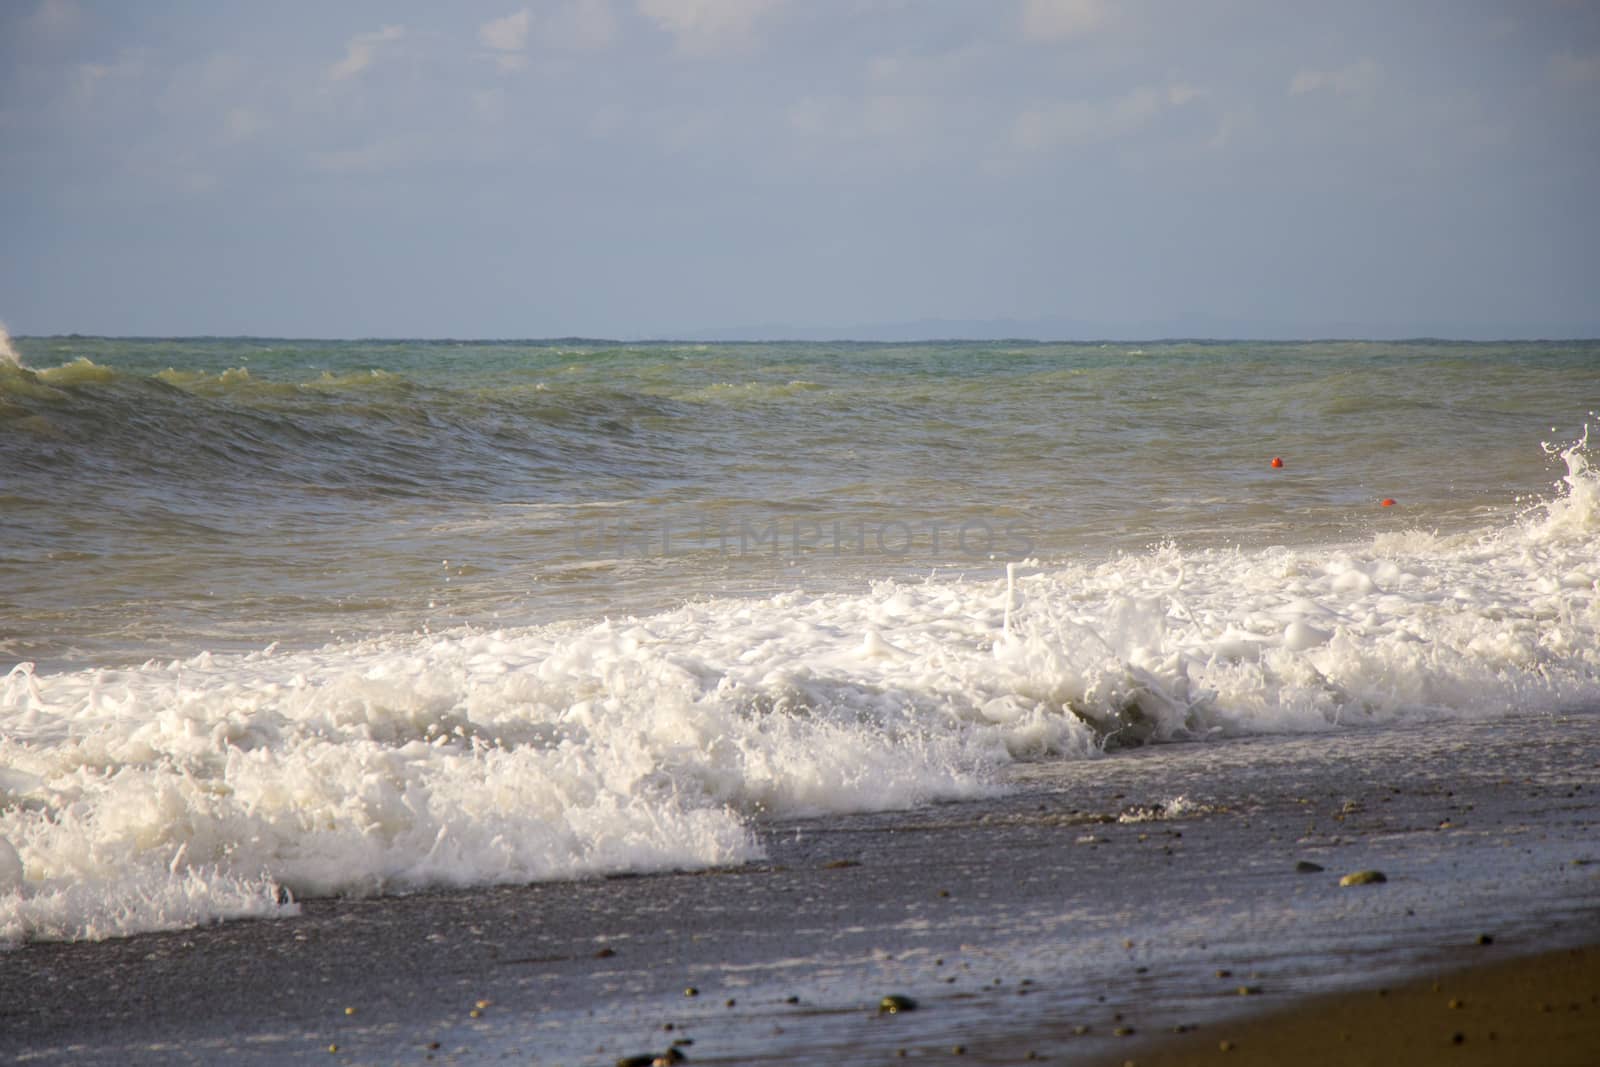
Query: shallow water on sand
(1099, 894)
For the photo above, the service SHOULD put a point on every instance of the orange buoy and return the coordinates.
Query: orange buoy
(1387, 502)
(1277, 461)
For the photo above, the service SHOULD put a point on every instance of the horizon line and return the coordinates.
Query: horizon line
(668, 340)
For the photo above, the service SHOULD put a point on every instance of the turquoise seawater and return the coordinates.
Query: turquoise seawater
(161, 497)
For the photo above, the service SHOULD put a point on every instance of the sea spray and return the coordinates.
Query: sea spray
(8, 354)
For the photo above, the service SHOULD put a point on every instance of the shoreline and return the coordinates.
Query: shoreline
(1096, 894)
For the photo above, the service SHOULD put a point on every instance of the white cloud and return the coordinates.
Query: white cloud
(380, 154)
(1359, 77)
(241, 124)
(703, 27)
(55, 18)
(580, 26)
(1575, 71)
(686, 131)
(1178, 95)
(362, 50)
(508, 34)
(490, 105)
(197, 181)
(1058, 20)
(1229, 127)
(878, 117)
(1080, 121)
(211, 83)
(127, 66)
(815, 115)
(583, 25)
(913, 72)
(607, 121)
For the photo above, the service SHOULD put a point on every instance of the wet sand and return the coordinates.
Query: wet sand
(1542, 1009)
(1151, 889)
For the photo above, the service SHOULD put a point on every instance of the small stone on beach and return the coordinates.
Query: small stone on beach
(1363, 878)
(1307, 867)
(895, 1003)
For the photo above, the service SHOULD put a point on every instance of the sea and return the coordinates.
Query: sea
(282, 619)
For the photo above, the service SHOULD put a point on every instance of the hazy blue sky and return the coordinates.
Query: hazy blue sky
(631, 168)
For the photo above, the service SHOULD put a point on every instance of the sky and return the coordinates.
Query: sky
(805, 168)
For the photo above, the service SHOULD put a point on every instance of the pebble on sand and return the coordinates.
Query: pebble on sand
(1363, 878)
(1307, 867)
(895, 1003)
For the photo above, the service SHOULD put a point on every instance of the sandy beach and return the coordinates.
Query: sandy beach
(1085, 915)
(1541, 1009)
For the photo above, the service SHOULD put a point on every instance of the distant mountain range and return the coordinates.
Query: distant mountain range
(1193, 326)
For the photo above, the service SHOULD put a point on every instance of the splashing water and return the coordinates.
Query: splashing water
(571, 709)
(8, 355)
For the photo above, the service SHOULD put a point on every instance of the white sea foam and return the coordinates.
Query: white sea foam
(180, 792)
(8, 355)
